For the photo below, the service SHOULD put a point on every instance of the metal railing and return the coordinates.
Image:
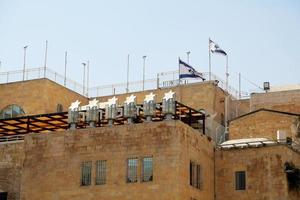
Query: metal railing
(12, 138)
(38, 73)
(162, 80)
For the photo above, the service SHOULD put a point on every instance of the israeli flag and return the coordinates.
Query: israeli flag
(187, 71)
(214, 48)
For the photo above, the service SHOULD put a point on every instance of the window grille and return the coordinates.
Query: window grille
(86, 173)
(195, 175)
(100, 172)
(147, 172)
(132, 166)
(240, 180)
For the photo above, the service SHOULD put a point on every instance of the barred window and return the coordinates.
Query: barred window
(86, 173)
(147, 172)
(100, 172)
(195, 175)
(240, 180)
(132, 166)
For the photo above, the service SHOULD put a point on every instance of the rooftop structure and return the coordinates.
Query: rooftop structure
(163, 143)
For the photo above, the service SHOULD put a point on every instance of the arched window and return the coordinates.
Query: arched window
(11, 111)
(59, 108)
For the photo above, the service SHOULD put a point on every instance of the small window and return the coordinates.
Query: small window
(100, 172)
(3, 195)
(11, 111)
(86, 173)
(147, 173)
(240, 180)
(59, 108)
(195, 175)
(132, 166)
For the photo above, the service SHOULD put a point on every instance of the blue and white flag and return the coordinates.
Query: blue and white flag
(214, 48)
(187, 71)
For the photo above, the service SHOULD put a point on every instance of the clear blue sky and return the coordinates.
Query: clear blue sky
(262, 37)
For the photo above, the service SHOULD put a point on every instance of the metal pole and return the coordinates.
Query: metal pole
(209, 60)
(45, 62)
(24, 64)
(127, 87)
(88, 77)
(84, 64)
(144, 61)
(65, 79)
(188, 57)
(240, 82)
(227, 74)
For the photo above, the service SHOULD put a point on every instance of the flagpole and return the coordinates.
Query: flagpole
(179, 87)
(127, 85)
(240, 95)
(88, 78)
(227, 74)
(45, 61)
(209, 59)
(227, 98)
(65, 78)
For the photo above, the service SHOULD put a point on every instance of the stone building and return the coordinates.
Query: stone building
(176, 159)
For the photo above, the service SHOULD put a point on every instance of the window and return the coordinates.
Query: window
(59, 108)
(3, 195)
(100, 172)
(240, 180)
(86, 173)
(132, 165)
(11, 111)
(147, 173)
(195, 175)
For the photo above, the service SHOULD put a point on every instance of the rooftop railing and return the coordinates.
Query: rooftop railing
(162, 80)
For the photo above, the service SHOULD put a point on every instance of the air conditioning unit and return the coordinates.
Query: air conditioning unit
(281, 136)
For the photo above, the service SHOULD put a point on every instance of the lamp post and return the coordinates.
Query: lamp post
(65, 78)
(88, 77)
(144, 63)
(188, 56)
(84, 64)
(24, 64)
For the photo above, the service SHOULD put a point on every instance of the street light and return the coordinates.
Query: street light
(84, 64)
(24, 62)
(144, 62)
(188, 56)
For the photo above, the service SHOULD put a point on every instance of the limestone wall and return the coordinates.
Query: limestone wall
(52, 162)
(204, 95)
(263, 124)
(11, 163)
(37, 96)
(288, 101)
(265, 176)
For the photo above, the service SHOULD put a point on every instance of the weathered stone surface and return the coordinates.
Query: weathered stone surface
(263, 124)
(288, 101)
(265, 176)
(38, 96)
(52, 162)
(11, 164)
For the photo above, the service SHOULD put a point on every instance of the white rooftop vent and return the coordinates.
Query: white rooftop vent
(281, 136)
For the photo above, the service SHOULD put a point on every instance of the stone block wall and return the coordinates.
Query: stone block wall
(38, 96)
(263, 124)
(265, 175)
(287, 101)
(11, 164)
(53, 160)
